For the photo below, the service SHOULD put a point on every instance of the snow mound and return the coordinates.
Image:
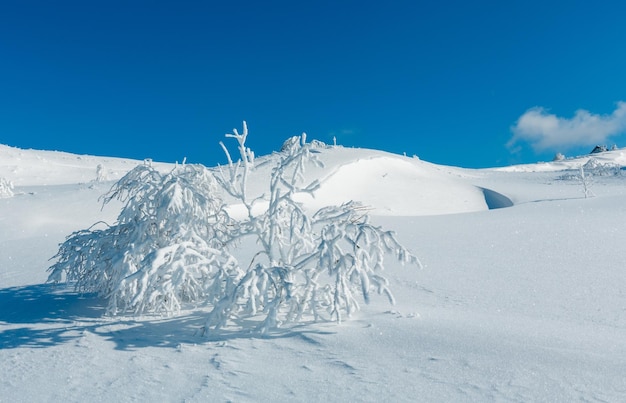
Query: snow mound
(386, 184)
(398, 186)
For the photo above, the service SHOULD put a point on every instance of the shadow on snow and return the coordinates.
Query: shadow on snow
(495, 200)
(45, 315)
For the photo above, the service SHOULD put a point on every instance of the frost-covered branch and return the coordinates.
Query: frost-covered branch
(585, 182)
(235, 183)
(314, 266)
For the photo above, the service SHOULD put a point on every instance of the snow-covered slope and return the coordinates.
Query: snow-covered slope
(39, 168)
(525, 303)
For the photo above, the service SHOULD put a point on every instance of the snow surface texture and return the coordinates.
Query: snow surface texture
(526, 303)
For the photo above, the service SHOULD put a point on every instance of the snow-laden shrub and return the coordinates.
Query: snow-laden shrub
(294, 142)
(594, 167)
(165, 248)
(6, 188)
(173, 242)
(307, 265)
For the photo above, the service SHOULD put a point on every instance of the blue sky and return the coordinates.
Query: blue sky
(472, 84)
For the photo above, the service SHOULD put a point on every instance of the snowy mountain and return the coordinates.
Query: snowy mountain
(521, 297)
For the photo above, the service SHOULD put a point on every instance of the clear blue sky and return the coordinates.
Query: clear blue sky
(443, 80)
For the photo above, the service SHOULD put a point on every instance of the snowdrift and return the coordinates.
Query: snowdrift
(418, 188)
(386, 184)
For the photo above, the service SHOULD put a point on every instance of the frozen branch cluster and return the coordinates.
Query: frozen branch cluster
(165, 249)
(175, 243)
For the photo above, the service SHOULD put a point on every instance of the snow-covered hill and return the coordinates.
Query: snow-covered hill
(525, 303)
(40, 168)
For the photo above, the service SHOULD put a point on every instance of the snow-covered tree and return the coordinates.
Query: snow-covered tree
(6, 188)
(313, 265)
(165, 248)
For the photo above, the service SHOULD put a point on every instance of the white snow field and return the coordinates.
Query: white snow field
(521, 303)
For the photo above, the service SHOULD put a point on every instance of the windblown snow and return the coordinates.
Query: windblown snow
(525, 303)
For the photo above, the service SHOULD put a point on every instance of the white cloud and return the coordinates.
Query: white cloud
(546, 131)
